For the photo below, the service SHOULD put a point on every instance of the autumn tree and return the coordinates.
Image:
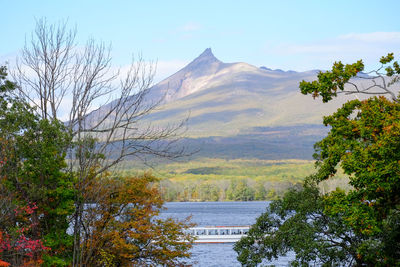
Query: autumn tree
(121, 228)
(54, 71)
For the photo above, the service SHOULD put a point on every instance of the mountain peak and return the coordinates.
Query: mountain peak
(206, 57)
(207, 53)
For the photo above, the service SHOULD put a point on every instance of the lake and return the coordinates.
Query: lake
(218, 214)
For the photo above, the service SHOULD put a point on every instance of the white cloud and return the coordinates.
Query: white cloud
(381, 37)
(347, 48)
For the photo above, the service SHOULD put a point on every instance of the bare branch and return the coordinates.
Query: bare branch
(377, 85)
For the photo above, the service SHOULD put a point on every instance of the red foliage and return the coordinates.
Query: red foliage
(18, 241)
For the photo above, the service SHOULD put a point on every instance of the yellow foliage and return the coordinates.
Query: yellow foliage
(124, 230)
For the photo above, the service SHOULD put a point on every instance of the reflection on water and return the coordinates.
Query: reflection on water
(218, 214)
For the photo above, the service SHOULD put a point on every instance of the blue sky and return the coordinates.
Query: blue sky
(297, 35)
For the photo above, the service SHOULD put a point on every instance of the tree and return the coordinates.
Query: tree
(122, 229)
(298, 222)
(53, 70)
(364, 141)
(260, 192)
(239, 191)
(32, 171)
(207, 191)
(342, 79)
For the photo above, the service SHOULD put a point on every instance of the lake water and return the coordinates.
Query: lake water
(218, 214)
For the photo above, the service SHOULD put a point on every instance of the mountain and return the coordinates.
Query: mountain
(239, 110)
(228, 99)
(277, 70)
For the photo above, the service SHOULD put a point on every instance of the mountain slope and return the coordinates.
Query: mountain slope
(238, 110)
(226, 99)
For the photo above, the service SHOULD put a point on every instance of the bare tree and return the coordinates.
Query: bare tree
(53, 71)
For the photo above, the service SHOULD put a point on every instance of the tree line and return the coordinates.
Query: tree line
(222, 190)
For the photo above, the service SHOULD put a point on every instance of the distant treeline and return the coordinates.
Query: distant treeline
(222, 190)
(216, 179)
